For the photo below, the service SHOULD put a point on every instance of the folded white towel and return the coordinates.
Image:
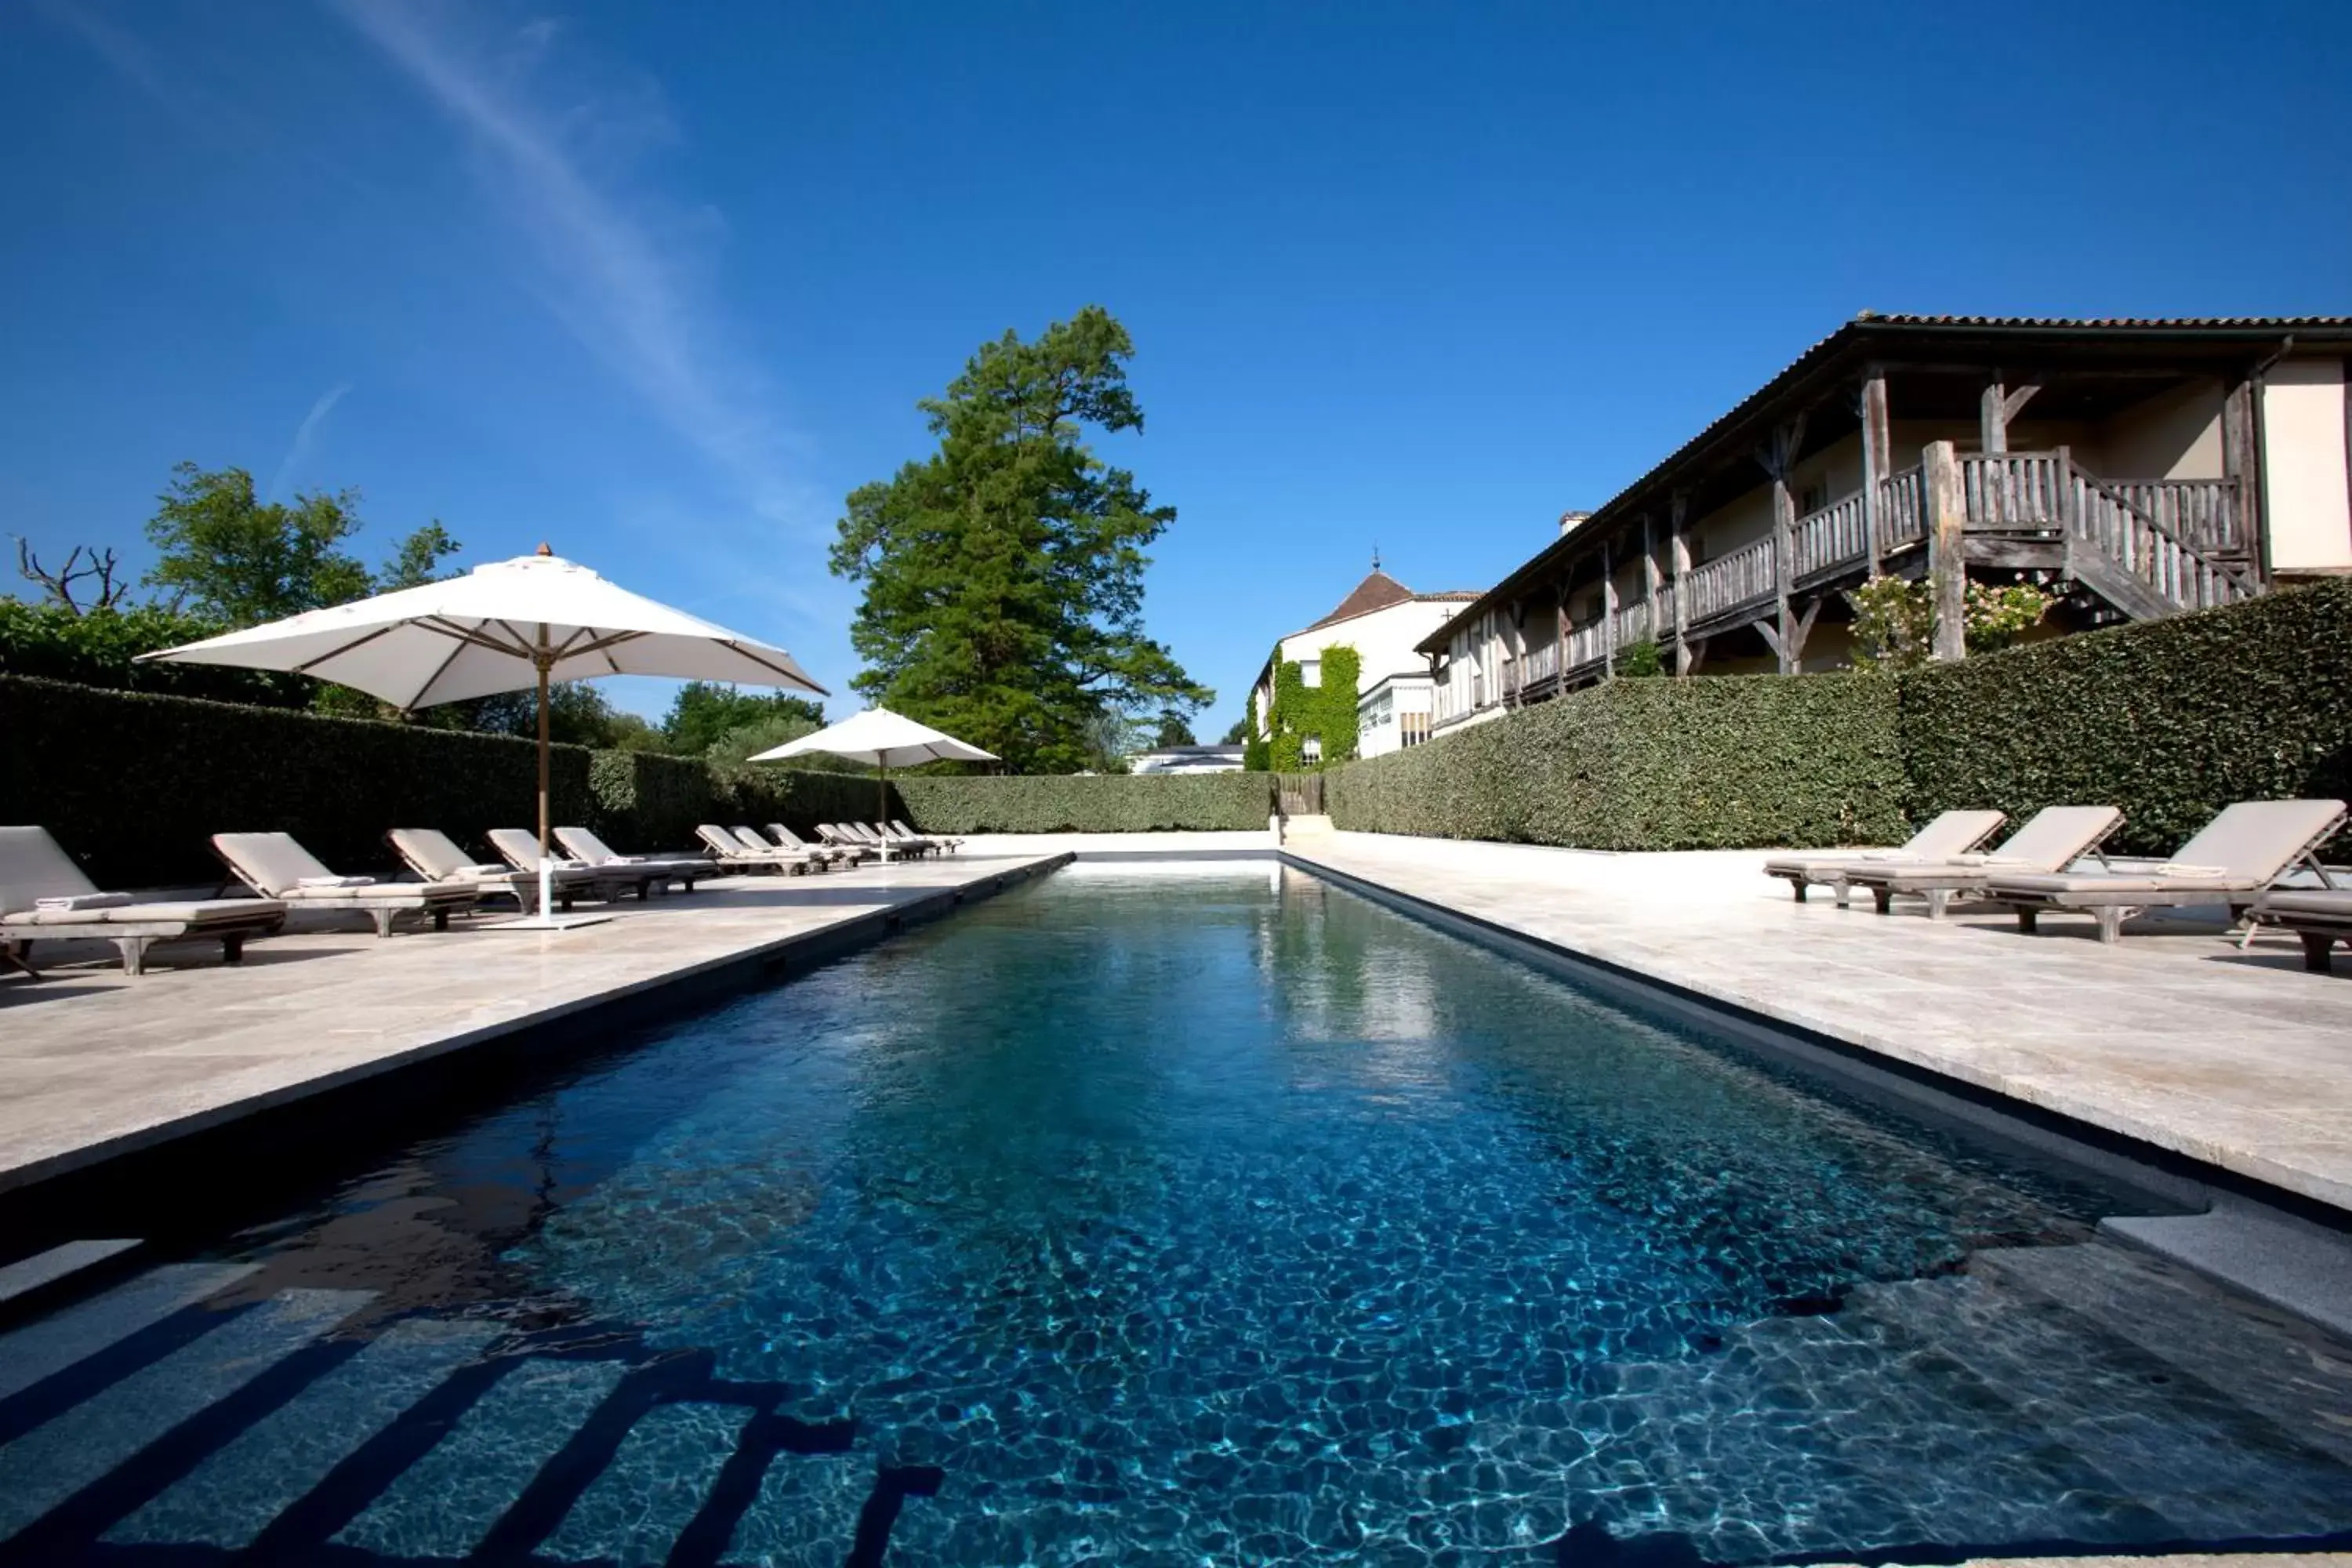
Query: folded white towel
(334, 882)
(2174, 868)
(73, 901)
(624, 860)
(479, 871)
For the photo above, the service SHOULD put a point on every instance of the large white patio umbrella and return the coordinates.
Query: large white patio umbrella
(504, 626)
(885, 739)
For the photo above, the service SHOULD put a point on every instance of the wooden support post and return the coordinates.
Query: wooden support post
(1778, 462)
(1877, 435)
(1652, 578)
(2000, 403)
(2242, 461)
(1947, 505)
(1607, 612)
(1679, 533)
(1514, 697)
(1560, 630)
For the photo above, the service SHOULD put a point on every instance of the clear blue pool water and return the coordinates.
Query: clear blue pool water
(1176, 1220)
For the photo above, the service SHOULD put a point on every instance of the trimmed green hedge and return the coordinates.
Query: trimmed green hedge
(2169, 720)
(134, 783)
(1733, 762)
(1140, 803)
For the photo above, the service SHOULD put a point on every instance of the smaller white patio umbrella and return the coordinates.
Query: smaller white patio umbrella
(885, 739)
(505, 627)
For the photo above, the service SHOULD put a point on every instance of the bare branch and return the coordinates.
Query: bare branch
(59, 584)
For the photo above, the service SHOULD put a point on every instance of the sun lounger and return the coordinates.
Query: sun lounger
(904, 843)
(901, 830)
(45, 897)
(838, 835)
(735, 853)
(2053, 839)
(2232, 860)
(810, 859)
(2322, 917)
(273, 866)
(1953, 832)
(519, 847)
(865, 832)
(840, 854)
(434, 856)
(586, 847)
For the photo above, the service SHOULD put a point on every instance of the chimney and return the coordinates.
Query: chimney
(1569, 519)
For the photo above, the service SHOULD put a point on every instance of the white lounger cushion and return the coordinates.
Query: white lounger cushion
(2325, 903)
(276, 865)
(597, 852)
(2245, 848)
(187, 913)
(1952, 833)
(521, 847)
(33, 867)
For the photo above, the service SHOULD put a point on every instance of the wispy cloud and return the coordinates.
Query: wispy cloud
(619, 268)
(304, 435)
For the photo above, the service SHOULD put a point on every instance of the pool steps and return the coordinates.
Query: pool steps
(188, 1411)
(183, 1412)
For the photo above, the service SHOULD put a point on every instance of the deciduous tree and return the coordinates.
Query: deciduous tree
(705, 712)
(225, 554)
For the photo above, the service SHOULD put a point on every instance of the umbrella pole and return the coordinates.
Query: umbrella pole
(546, 866)
(882, 804)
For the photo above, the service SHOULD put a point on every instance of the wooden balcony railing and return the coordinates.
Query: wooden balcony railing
(1827, 540)
(1902, 516)
(1728, 581)
(2182, 539)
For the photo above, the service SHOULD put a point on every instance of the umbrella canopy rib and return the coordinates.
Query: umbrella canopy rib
(307, 666)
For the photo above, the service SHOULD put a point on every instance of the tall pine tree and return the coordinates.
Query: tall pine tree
(1003, 574)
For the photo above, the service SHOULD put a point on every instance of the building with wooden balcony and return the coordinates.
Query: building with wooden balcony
(2134, 469)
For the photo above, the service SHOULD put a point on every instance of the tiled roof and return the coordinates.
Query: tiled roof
(2258, 323)
(1376, 591)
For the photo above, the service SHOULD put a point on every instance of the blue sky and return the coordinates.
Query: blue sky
(660, 284)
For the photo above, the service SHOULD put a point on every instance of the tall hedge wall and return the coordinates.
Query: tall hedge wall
(1725, 762)
(2170, 720)
(1110, 803)
(134, 783)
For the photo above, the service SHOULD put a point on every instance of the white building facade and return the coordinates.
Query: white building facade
(1383, 621)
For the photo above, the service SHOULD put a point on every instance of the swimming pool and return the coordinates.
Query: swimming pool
(1222, 1217)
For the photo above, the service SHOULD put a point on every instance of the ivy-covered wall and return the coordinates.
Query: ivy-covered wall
(1326, 710)
(1257, 751)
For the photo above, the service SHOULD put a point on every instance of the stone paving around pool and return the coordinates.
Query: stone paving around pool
(2172, 1036)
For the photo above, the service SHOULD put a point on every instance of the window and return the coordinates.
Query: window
(1310, 672)
(1311, 749)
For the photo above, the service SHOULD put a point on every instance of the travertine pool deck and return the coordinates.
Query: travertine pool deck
(94, 1064)
(2172, 1036)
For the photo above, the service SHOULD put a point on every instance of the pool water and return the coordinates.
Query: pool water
(1186, 1219)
